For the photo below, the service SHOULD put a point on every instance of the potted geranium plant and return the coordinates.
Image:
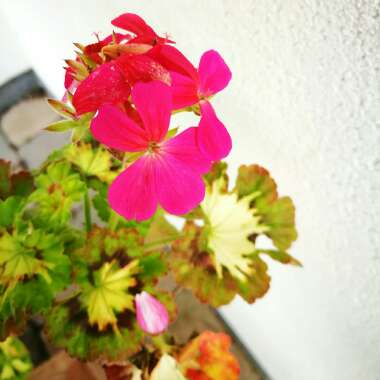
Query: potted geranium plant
(99, 288)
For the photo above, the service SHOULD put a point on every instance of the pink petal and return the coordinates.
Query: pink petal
(180, 185)
(180, 190)
(172, 177)
(151, 314)
(116, 130)
(154, 105)
(133, 23)
(184, 90)
(173, 60)
(213, 138)
(142, 68)
(106, 85)
(184, 148)
(72, 85)
(214, 74)
(69, 77)
(133, 194)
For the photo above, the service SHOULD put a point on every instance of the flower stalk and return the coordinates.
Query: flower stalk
(87, 211)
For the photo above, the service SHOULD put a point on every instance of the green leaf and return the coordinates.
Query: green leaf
(280, 218)
(33, 270)
(276, 213)
(171, 133)
(220, 259)
(152, 266)
(20, 183)
(109, 294)
(193, 268)
(79, 68)
(257, 283)
(22, 301)
(255, 179)
(62, 126)
(91, 161)
(229, 223)
(280, 256)
(67, 326)
(62, 109)
(99, 200)
(25, 255)
(8, 210)
(102, 207)
(57, 190)
(98, 320)
(18, 261)
(218, 170)
(15, 363)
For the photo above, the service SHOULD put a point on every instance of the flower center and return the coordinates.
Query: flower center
(153, 147)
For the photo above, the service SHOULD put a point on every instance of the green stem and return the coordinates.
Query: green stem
(113, 221)
(158, 243)
(74, 291)
(87, 211)
(161, 343)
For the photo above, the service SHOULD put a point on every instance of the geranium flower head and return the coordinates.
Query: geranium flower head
(151, 314)
(169, 171)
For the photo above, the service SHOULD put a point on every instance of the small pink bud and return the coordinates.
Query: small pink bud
(152, 315)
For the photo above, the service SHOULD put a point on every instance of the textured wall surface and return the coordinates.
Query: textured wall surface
(305, 103)
(13, 59)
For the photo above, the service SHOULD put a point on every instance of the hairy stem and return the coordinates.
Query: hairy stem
(113, 221)
(87, 211)
(159, 243)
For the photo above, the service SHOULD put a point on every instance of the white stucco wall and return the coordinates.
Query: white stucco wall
(13, 60)
(305, 103)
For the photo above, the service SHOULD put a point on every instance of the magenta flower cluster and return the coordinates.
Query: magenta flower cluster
(134, 92)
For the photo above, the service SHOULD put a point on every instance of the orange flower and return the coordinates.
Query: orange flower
(208, 357)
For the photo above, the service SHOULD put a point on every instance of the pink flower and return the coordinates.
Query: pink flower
(152, 315)
(191, 86)
(168, 173)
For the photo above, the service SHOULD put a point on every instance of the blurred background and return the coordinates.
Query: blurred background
(304, 102)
